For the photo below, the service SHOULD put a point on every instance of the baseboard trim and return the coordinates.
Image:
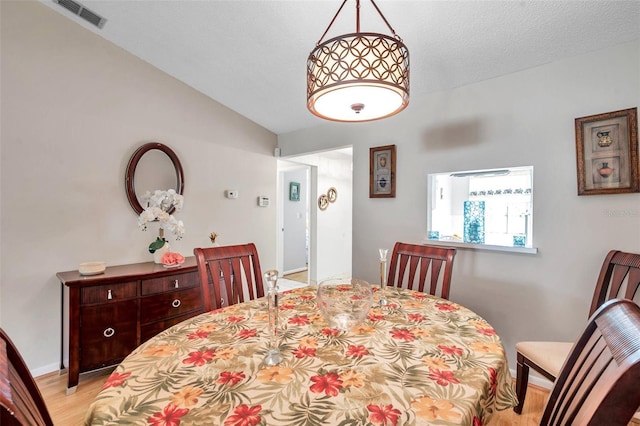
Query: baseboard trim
(294, 271)
(41, 371)
(535, 380)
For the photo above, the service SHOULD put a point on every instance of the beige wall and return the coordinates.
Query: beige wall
(74, 109)
(525, 118)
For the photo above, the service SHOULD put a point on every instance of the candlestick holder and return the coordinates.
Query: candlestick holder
(273, 356)
(383, 276)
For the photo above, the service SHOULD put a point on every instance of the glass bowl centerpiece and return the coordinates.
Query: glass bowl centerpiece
(343, 302)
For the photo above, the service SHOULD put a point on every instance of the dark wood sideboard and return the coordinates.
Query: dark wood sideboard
(106, 316)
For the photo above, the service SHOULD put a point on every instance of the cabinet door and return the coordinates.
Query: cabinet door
(107, 333)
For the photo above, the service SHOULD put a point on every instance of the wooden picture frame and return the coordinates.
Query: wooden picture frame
(607, 153)
(382, 172)
(294, 191)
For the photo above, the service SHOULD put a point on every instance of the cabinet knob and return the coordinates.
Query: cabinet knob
(109, 296)
(175, 283)
(109, 332)
(175, 303)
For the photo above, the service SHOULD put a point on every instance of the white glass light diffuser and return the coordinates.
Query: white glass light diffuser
(358, 102)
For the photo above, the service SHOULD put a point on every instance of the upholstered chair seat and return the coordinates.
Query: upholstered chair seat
(548, 355)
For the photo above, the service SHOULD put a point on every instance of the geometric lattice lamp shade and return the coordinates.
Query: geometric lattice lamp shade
(358, 76)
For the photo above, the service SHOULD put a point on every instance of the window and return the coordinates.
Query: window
(483, 207)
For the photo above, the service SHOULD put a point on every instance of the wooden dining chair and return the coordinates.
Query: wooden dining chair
(619, 278)
(21, 402)
(229, 275)
(598, 383)
(412, 264)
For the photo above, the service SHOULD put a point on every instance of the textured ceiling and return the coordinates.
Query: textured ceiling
(251, 55)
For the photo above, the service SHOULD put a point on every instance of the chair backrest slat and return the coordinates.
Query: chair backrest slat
(633, 283)
(436, 265)
(586, 373)
(403, 265)
(248, 277)
(228, 277)
(598, 383)
(412, 265)
(21, 402)
(226, 272)
(619, 277)
(424, 268)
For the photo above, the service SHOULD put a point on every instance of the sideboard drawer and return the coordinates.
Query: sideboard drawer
(173, 282)
(150, 330)
(108, 293)
(108, 333)
(168, 305)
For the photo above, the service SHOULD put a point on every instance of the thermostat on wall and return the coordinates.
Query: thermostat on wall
(229, 193)
(263, 201)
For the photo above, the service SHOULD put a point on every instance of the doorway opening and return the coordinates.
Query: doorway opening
(315, 244)
(293, 219)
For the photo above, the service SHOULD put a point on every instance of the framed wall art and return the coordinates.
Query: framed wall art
(607, 153)
(332, 194)
(382, 172)
(323, 202)
(294, 191)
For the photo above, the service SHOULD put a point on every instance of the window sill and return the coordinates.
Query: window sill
(459, 244)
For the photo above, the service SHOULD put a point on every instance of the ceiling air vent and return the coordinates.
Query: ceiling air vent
(78, 9)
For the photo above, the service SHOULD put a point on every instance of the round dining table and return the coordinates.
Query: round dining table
(419, 360)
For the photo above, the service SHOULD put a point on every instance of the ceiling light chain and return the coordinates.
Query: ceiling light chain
(358, 76)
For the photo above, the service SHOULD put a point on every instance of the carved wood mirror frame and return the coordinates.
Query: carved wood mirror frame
(131, 172)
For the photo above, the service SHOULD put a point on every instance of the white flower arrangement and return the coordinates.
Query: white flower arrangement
(158, 204)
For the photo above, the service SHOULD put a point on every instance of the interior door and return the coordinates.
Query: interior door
(295, 224)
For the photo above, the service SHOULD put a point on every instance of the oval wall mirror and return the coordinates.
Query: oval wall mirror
(153, 166)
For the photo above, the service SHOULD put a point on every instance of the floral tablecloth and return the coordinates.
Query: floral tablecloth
(421, 360)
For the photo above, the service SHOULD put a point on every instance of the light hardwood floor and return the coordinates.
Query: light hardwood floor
(301, 276)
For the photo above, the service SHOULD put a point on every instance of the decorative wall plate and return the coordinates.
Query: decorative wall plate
(323, 202)
(332, 195)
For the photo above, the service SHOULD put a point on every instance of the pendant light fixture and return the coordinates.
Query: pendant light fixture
(360, 76)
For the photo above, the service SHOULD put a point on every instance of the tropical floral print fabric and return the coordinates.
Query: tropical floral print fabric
(420, 360)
